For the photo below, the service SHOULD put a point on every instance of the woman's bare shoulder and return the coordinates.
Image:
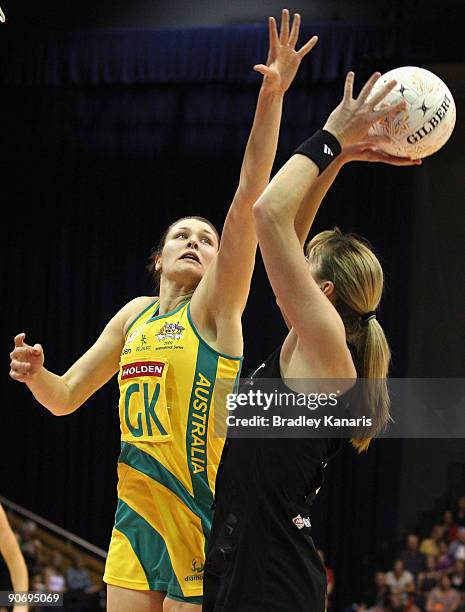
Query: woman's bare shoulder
(134, 307)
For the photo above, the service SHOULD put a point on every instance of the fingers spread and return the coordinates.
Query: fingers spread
(294, 30)
(273, 33)
(349, 86)
(391, 110)
(262, 69)
(366, 89)
(382, 93)
(302, 52)
(284, 34)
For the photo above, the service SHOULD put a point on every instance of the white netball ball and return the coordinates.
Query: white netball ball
(427, 123)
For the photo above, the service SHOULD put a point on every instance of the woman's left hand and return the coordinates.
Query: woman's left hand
(370, 151)
(283, 59)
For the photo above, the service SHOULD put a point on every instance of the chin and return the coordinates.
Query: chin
(189, 277)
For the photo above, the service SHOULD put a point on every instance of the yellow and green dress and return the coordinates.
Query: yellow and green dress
(169, 457)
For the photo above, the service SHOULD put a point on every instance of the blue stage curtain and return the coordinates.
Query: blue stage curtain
(206, 55)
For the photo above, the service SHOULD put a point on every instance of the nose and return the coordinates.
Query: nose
(193, 244)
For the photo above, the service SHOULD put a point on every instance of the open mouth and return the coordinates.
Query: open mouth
(192, 256)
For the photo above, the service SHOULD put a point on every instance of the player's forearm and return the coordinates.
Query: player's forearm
(313, 198)
(18, 572)
(11, 552)
(281, 200)
(52, 392)
(261, 146)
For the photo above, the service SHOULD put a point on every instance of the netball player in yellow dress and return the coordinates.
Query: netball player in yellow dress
(169, 352)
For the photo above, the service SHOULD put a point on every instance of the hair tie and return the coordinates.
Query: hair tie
(368, 316)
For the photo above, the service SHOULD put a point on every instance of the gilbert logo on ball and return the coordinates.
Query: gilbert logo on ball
(427, 123)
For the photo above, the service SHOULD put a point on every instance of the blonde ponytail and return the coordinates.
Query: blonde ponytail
(356, 273)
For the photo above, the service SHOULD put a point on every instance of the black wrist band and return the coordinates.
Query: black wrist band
(322, 148)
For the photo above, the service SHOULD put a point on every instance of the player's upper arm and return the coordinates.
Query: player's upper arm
(306, 308)
(101, 361)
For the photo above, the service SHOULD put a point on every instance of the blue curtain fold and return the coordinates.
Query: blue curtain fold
(206, 54)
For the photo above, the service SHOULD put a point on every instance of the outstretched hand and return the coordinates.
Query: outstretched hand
(352, 118)
(26, 360)
(283, 59)
(371, 151)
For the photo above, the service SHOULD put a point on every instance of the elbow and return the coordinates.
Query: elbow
(264, 213)
(61, 410)
(66, 400)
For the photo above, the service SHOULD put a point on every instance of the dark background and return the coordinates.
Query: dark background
(110, 134)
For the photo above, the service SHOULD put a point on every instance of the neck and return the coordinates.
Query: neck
(172, 295)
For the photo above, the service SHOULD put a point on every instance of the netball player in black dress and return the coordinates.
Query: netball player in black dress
(261, 555)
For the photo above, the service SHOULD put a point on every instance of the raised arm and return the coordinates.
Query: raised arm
(367, 150)
(64, 394)
(305, 306)
(363, 151)
(225, 286)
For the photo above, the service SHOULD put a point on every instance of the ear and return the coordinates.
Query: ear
(157, 263)
(328, 288)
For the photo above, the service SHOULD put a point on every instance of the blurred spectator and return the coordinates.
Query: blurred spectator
(54, 579)
(429, 578)
(28, 530)
(443, 597)
(443, 562)
(80, 586)
(400, 581)
(457, 576)
(38, 583)
(377, 597)
(460, 512)
(77, 577)
(413, 559)
(28, 545)
(457, 548)
(430, 546)
(395, 603)
(329, 579)
(448, 520)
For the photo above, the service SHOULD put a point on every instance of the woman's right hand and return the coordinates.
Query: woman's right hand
(351, 119)
(26, 360)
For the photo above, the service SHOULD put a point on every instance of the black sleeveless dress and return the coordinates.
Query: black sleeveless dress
(260, 554)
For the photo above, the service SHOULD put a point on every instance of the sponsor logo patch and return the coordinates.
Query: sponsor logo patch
(301, 522)
(197, 567)
(142, 368)
(170, 330)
